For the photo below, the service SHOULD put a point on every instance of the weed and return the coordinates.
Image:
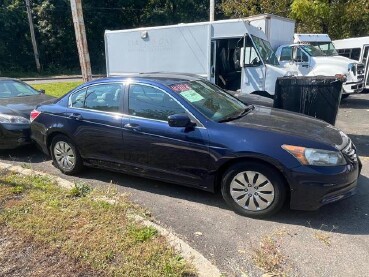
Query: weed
(142, 234)
(80, 190)
(269, 258)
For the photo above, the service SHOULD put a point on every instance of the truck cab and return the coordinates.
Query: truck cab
(314, 54)
(309, 60)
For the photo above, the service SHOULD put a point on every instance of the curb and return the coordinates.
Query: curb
(59, 78)
(203, 266)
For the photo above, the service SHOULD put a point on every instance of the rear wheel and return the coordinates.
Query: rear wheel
(65, 155)
(253, 189)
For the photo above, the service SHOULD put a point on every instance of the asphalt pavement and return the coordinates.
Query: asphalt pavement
(333, 241)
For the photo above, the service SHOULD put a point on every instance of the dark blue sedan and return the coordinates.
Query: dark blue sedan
(184, 130)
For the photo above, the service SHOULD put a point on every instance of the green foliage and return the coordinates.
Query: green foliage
(338, 18)
(80, 190)
(141, 234)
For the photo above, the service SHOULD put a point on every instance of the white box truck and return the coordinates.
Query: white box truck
(355, 49)
(296, 54)
(230, 53)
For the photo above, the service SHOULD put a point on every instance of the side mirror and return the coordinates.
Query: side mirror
(180, 120)
(42, 91)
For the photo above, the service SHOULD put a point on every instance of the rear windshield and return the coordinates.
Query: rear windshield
(10, 88)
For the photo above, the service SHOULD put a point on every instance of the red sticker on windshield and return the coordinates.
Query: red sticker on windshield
(180, 87)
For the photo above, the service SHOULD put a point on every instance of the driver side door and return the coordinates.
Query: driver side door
(155, 149)
(253, 69)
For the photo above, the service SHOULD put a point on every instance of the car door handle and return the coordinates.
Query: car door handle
(76, 116)
(133, 127)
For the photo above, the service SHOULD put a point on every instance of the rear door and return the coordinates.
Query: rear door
(95, 119)
(156, 149)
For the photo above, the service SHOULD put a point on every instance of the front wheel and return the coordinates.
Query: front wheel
(253, 189)
(65, 155)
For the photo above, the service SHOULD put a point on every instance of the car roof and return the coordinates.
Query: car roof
(8, 79)
(154, 77)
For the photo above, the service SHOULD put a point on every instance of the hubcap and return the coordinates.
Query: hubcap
(252, 191)
(64, 155)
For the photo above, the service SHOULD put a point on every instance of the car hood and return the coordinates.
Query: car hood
(23, 106)
(293, 124)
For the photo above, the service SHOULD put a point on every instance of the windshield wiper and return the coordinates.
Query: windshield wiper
(243, 113)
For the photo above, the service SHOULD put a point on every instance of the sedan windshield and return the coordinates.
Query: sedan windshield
(210, 100)
(10, 88)
(312, 51)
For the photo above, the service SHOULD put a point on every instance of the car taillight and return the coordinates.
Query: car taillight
(34, 115)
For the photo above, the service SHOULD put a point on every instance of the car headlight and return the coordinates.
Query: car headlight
(319, 157)
(13, 119)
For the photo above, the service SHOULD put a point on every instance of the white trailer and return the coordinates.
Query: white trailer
(356, 49)
(278, 30)
(230, 53)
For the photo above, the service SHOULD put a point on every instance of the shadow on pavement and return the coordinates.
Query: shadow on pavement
(25, 154)
(355, 102)
(349, 216)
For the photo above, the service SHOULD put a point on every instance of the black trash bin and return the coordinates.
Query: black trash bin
(315, 96)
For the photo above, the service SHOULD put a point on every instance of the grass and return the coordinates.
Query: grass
(94, 233)
(57, 89)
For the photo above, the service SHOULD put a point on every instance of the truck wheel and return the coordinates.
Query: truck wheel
(65, 155)
(253, 189)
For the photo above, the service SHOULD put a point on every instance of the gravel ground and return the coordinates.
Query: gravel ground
(333, 241)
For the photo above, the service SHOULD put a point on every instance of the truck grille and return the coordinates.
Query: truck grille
(350, 152)
(360, 71)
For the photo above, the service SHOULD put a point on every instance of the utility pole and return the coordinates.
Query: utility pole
(212, 8)
(33, 38)
(80, 30)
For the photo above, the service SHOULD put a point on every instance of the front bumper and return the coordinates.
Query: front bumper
(14, 135)
(314, 187)
(352, 87)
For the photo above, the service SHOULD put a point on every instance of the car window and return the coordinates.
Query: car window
(104, 97)
(77, 99)
(152, 103)
(286, 53)
(10, 88)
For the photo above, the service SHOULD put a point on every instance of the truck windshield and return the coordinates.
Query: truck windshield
(210, 100)
(265, 50)
(312, 51)
(326, 47)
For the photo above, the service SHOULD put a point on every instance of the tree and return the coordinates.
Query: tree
(245, 8)
(338, 18)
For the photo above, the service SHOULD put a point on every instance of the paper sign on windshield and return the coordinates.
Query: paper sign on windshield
(191, 95)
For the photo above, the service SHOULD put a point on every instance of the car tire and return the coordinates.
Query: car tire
(261, 193)
(65, 155)
(345, 96)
